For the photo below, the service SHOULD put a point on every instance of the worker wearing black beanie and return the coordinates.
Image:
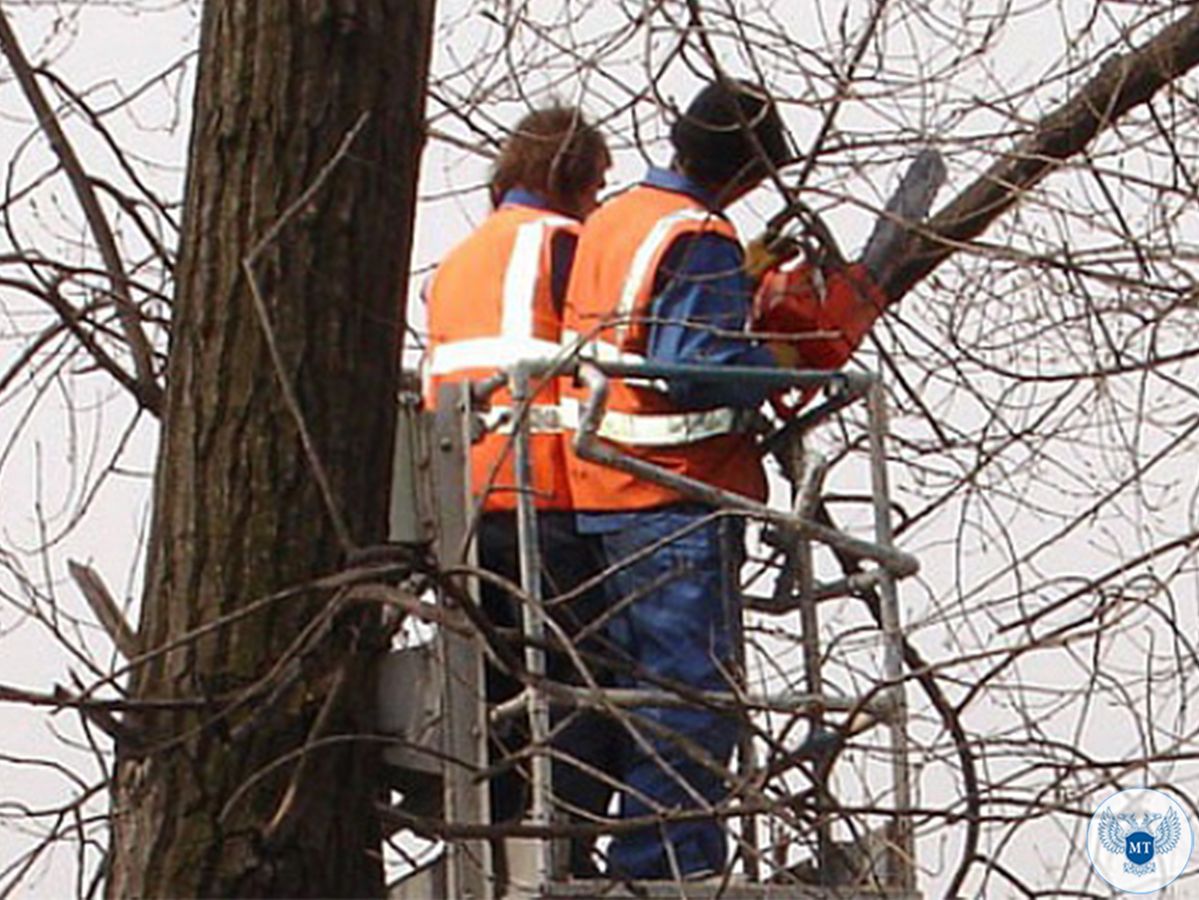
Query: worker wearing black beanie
(714, 140)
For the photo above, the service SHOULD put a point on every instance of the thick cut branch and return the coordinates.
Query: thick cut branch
(106, 609)
(1122, 84)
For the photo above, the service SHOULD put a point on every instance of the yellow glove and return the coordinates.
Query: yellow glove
(768, 251)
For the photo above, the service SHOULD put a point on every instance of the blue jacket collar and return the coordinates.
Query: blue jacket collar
(670, 180)
(519, 196)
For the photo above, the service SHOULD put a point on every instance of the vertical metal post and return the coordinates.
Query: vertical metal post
(903, 853)
(532, 617)
(809, 481)
(464, 711)
(747, 763)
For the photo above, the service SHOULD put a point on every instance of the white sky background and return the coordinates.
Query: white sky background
(52, 472)
(965, 567)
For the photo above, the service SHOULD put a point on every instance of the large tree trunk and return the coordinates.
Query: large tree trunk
(217, 799)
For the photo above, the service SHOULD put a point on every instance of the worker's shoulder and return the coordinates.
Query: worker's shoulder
(618, 205)
(649, 205)
(496, 230)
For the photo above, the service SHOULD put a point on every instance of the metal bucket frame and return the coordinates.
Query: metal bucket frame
(450, 429)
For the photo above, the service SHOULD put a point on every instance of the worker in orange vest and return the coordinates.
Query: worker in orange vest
(494, 300)
(659, 276)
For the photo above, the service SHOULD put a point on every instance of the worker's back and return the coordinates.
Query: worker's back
(609, 305)
(490, 305)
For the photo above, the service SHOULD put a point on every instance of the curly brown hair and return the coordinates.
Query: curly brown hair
(554, 152)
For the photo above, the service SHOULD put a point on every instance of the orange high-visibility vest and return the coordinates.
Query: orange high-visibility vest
(608, 306)
(490, 305)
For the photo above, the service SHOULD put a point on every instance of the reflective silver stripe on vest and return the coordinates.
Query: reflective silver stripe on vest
(490, 353)
(643, 258)
(598, 349)
(673, 429)
(521, 275)
(634, 429)
(605, 351)
(515, 342)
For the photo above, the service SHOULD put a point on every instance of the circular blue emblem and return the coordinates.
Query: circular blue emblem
(1140, 840)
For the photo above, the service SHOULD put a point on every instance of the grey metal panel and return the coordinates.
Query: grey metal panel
(408, 690)
(426, 883)
(410, 520)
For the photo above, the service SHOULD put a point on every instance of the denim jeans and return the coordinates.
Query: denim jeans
(678, 609)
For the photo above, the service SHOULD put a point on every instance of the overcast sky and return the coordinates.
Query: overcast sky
(48, 471)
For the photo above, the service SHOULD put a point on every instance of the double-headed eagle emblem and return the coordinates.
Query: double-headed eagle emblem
(1139, 839)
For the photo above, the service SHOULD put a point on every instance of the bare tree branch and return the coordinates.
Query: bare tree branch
(1122, 84)
(106, 609)
(145, 386)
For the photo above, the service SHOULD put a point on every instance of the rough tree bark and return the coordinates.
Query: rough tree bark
(320, 101)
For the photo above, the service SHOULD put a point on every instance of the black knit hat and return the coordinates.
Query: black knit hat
(711, 141)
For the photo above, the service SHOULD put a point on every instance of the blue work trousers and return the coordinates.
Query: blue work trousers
(677, 614)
